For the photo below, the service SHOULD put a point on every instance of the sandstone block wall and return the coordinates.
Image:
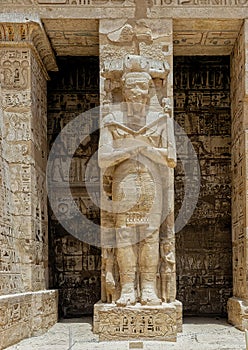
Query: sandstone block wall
(23, 217)
(237, 306)
(26, 314)
(25, 57)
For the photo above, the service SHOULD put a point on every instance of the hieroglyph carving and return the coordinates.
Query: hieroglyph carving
(28, 34)
(137, 322)
(156, 3)
(75, 266)
(136, 148)
(23, 163)
(87, 2)
(202, 109)
(15, 69)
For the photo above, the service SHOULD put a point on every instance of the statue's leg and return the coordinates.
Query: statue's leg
(163, 287)
(127, 261)
(148, 262)
(168, 288)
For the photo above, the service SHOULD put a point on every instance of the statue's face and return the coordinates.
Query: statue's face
(166, 248)
(136, 89)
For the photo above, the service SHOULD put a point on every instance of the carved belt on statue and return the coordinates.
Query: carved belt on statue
(134, 219)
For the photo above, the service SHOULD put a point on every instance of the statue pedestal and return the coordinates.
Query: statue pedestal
(139, 322)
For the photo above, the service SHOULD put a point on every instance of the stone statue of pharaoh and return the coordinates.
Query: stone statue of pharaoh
(134, 144)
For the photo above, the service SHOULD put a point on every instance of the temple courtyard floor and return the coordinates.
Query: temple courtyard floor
(198, 333)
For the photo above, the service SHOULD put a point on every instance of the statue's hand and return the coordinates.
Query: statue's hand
(138, 149)
(158, 155)
(171, 163)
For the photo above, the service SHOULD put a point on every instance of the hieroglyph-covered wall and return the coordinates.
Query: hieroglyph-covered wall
(237, 306)
(74, 265)
(25, 57)
(23, 216)
(204, 245)
(154, 7)
(24, 209)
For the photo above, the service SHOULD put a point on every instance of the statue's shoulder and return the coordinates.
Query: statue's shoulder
(157, 119)
(108, 119)
(112, 119)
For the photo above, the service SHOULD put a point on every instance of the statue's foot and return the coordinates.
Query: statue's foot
(128, 297)
(149, 297)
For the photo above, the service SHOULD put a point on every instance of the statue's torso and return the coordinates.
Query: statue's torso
(137, 179)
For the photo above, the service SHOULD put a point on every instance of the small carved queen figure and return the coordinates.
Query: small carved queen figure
(136, 144)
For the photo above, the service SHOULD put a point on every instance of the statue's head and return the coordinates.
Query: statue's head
(166, 246)
(136, 87)
(135, 74)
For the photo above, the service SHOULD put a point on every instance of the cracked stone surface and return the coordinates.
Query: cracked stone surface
(198, 334)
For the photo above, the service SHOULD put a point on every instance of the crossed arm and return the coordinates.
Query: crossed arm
(112, 152)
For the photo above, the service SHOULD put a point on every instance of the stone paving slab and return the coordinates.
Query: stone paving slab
(198, 334)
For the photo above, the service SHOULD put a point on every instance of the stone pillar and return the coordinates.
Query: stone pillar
(138, 259)
(27, 308)
(238, 304)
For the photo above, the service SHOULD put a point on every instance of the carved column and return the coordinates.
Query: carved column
(138, 256)
(25, 58)
(238, 304)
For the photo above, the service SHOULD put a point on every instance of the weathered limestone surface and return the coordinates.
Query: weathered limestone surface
(26, 314)
(139, 322)
(81, 35)
(225, 9)
(23, 239)
(198, 333)
(204, 37)
(237, 306)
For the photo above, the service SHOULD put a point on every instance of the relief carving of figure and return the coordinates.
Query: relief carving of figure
(167, 267)
(136, 142)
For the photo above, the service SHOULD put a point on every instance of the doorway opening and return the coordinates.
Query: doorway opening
(74, 266)
(204, 245)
